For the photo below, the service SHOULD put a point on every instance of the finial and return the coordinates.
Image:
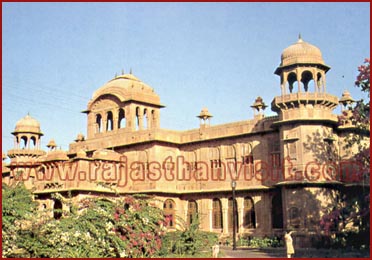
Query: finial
(130, 72)
(116, 75)
(122, 71)
(300, 38)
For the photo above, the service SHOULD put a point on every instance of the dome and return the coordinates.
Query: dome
(127, 87)
(28, 124)
(301, 52)
(204, 114)
(52, 144)
(346, 98)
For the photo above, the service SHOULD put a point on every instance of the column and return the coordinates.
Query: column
(324, 82)
(16, 144)
(298, 76)
(140, 121)
(148, 119)
(115, 118)
(225, 217)
(210, 212)
(28, 142)
(104, 122)
(240, 207)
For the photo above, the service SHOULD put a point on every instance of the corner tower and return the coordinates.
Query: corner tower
(308, 142)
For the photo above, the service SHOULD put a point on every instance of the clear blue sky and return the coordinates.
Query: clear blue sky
(218, 55)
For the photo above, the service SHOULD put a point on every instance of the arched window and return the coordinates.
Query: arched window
(247, 160)
(277, 211)
(33, 142)
(99, 123)
(306, 77)
(192, 211)
(145, 119)
(110, 122)
(57, 209)
(233, 214)
(292, 79)
(153, 118)
(217, 214)
(121, 119)
(319, 81)
(215, 164)
(24, 139)
(169, 212)
(249, 213)
(294, 217)
(138, 118)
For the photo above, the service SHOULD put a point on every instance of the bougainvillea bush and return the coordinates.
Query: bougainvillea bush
(126, 227)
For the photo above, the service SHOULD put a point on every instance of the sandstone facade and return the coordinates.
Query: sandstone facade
(289, 169)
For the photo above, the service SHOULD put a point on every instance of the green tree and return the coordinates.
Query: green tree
(19, 210)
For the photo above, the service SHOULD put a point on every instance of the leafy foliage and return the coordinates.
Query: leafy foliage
(349, 220)
(126, 227)
(190, 242)
(18, 210)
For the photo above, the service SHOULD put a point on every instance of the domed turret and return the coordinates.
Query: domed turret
(28, 124)
(205, 117)
(123, 102)
(27, 134)
(302, 63)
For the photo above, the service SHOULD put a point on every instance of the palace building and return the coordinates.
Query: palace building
(284, 171)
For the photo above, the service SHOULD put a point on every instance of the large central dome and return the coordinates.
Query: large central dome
(128, 87)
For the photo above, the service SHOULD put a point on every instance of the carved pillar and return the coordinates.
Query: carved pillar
(240, 207)
(225, 216)
(115, 118)
(104, 122)
(140, 121)
(298, 76)
(148, 120)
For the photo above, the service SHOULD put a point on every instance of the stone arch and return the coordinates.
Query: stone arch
(121, 118)
(217, 221)
(153, 116)
(291, 79)
(192, 211)
(24, 139)
(110, 121)
(249, 213)
(169, 207)
(230, 151)
(306, 78)
(138, 118)
(214, 153)
(145, 119)
(99, 123)
(319, 79)
(33, 142)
